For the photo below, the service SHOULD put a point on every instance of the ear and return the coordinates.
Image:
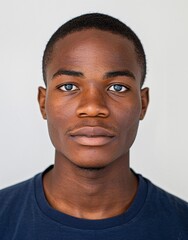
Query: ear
(144, 101)
(42, 101)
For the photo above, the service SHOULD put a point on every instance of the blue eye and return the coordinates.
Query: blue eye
(117, 88)
(68, 87)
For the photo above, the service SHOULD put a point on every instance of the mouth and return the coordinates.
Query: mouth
(92, 136)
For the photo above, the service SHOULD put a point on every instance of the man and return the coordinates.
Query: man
(94, 68)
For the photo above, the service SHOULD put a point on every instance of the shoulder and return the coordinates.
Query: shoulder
(16, 189)
(13, 197)
(17, 205)
(167, 207)
(21, 192)
(166, 198)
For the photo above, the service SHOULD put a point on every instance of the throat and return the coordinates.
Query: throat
(92, 193)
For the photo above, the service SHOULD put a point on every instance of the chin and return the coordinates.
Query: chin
(91, 164)
(90, 169)
(87, 160)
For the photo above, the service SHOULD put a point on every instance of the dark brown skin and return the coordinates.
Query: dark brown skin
(92, 123)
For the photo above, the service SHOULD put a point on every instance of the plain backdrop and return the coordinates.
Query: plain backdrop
(160, 152)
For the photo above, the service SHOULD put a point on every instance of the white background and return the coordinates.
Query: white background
(161, 149)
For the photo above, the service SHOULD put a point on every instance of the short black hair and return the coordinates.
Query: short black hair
(97, 21)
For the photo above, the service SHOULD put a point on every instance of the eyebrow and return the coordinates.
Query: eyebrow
(125, 73)
(107, 75)
(67, 73)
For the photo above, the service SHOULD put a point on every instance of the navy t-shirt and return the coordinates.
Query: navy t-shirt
(153, 215)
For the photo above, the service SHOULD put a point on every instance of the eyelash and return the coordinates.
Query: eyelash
(119, 85)
(75, 87)
(65, 90)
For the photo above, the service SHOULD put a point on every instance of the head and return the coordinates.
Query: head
(94, 67)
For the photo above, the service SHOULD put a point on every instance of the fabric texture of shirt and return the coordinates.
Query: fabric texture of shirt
(154, 214)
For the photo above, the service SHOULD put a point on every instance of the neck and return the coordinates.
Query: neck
(90, 193)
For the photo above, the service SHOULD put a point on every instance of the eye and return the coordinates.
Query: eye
(68, 87)
(118, 88)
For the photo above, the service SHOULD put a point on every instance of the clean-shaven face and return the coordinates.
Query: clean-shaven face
(93, 99)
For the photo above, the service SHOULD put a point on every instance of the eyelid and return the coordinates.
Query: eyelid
(68, 83)
(120, 84)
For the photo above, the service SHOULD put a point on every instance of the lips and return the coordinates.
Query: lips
(92, 136)
(92, 132)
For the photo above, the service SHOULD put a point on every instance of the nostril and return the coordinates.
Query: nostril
(82, 114)
(92, 110)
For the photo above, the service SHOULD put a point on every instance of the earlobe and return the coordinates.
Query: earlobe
(42, 101)
(144, 102)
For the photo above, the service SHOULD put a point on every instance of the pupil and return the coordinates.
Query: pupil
(68, 86)
(118, 87)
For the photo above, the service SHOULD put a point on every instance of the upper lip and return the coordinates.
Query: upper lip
(92, 131)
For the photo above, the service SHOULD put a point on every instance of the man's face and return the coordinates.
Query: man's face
(93, 102)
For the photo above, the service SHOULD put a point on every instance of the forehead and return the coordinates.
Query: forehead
(94, 49)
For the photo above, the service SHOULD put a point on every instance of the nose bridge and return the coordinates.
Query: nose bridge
(93, 103)
(95, 95)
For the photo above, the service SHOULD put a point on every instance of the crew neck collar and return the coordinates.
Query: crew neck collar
(80, 223)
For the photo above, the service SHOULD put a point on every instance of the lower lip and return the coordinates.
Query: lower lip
(92, 141)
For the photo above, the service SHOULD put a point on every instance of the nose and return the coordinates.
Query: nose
(93, 104)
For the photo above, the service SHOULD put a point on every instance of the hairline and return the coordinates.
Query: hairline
(140, 53)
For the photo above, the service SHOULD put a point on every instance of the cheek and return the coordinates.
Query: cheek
(128, 114)
(128, 118)
(59, 115)
(58, 110)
